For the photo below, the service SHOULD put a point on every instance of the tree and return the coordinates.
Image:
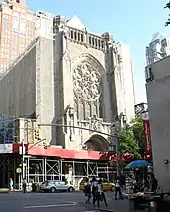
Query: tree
(137, 128)
(132, 138)
(127, 142)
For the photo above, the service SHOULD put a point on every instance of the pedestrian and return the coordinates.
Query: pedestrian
(154, 184)
(87, 190)
(11, 184)
(94, 185)
(100, 196)
(118, 189)
(24, 185)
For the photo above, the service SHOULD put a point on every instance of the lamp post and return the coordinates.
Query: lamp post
(120, 121)
(23, 159)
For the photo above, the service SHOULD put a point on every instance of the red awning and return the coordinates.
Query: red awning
(61, 153)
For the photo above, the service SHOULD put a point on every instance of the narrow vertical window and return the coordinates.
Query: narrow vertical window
(75, 35)
(99, 43)
(71, 34)
(90, 40)
(78, 36)
(93, 41)
(82, 38)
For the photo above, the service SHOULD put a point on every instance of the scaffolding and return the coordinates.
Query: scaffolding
(39, 169)
(47, 168)
(7, 130)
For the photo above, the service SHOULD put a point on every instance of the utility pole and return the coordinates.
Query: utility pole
(23, 159)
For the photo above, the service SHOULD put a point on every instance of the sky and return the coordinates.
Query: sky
(129, 21)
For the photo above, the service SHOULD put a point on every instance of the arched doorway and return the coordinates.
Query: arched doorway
(97, 143)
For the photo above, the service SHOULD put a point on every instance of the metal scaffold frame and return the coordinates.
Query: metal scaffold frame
(41, 169)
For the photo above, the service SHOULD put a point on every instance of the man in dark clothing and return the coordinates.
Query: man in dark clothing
(154, 184)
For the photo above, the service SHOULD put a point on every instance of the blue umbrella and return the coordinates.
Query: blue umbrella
(138, 164)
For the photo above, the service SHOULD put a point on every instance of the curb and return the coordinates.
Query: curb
(7, 191)
(107, 210)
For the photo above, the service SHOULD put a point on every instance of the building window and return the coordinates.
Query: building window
(99, 43)
(90, 40)
(22, 26)
(75, 35)
(96, 42)
(93, 41)
(102, 44)
(71, 34)
(15, 24)
(81, 37)
(78, 36)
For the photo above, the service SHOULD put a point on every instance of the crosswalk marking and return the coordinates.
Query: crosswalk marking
(89, 211)
(51, 206)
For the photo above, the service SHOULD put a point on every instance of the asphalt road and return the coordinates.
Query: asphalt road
(61, 202)
(44, 202)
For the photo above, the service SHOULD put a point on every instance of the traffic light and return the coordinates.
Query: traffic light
(37, 134)
(45, 144)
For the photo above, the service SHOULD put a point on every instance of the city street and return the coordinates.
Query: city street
(47, 202)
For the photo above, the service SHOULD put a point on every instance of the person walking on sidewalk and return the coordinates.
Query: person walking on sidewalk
(87, 190)
(94, 185)
(100, 196)
(11, 184)
(118, 189)
(24, 185)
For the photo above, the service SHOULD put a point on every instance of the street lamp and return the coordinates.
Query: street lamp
(120, 121)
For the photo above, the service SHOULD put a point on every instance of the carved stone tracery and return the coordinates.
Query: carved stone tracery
(87, 74)
(86, 81)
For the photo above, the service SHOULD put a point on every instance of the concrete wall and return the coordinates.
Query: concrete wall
(45, 86)
(158, 95)
(29, 87)
(128, 83)
(17, 88)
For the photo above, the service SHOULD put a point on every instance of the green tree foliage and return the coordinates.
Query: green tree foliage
(131, 138)
(127, 142)
(137, 128)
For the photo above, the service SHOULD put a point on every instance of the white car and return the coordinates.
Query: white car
(56, 186)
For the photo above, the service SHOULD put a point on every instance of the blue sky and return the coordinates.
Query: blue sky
(130, 21)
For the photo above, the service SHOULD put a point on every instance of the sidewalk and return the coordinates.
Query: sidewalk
(117, 206)
(6, 190)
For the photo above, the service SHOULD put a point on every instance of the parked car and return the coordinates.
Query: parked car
(107, 185)
(56, 186)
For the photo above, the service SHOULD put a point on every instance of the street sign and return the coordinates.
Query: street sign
(18, 170)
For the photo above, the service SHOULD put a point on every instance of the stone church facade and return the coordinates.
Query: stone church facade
(91, 87)
(74, 82)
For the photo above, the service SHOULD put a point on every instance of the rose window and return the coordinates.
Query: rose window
(86, 82)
